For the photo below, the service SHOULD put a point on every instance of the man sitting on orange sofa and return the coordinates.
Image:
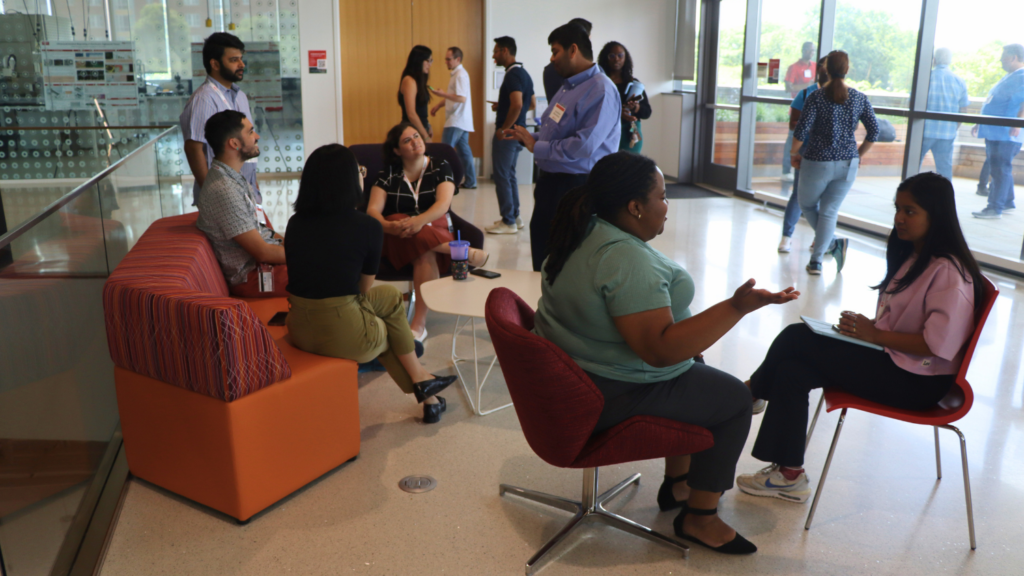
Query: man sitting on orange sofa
(250, 253)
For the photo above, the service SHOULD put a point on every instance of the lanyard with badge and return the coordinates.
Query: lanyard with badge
(416, 190)
(220, 95)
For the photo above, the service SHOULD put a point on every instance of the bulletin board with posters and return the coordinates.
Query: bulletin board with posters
(262, 79)
(77, 75)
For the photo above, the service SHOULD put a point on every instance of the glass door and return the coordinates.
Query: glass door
(721, 85)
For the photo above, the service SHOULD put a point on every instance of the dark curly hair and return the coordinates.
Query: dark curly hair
(391, 142)
(627, 66)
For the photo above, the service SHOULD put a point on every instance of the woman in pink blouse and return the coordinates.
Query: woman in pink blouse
(924, 318)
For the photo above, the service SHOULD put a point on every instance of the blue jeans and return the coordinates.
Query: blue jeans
(459, 139)
(786, 166)
(942, 152)
(504, 154)
(1000, 158)
(792, 215)
(822, 190)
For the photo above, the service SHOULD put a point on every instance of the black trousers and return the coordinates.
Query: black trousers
(799, 361)
(550, 189)
(702, 396)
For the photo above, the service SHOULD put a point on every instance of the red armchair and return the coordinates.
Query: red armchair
(558, 406)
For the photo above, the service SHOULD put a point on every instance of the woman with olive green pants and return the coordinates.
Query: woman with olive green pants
(333, 252)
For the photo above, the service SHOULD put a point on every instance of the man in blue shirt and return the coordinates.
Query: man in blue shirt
(552, 79)
(1002, 143)
(514, 99)
(581, 125)
(946, 93)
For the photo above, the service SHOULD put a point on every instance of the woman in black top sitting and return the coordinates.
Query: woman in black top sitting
(411, 199)
(616, 62)
(413, 93)
(333, 251)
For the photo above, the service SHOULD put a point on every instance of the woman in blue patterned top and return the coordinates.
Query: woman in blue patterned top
(828, 164)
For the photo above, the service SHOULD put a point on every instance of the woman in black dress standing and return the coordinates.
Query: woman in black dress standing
(616, 62)
(413, 93)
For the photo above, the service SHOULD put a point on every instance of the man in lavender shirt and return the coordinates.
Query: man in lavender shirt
(222, 58)
(580, 126)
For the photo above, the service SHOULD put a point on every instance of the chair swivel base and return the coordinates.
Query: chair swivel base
(592, 506)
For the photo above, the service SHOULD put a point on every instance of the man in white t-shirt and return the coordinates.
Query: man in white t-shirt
(458, 112)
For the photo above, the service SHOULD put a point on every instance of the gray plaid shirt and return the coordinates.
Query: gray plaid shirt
(227, 208)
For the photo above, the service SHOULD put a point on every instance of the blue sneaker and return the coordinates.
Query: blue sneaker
(771, 483)
(839, 252)
(814, 268)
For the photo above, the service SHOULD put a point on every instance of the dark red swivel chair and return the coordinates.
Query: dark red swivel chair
(558, 406)
(953, 407)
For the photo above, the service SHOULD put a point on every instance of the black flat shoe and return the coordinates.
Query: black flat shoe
(738, 545)
(428, 388)
(666, 500)
(432, 412)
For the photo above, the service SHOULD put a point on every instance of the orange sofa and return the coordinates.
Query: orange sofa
(215, 405)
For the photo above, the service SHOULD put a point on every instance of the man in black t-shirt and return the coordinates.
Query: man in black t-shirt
(515, 98)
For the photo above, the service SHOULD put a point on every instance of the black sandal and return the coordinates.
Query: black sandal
(738, 545)
(666, 499)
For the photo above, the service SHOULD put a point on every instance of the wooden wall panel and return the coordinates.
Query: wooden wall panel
(375, 42)
(376, 36)
(440, 24)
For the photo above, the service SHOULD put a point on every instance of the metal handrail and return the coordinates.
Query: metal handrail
(25, 226)
(70, 128)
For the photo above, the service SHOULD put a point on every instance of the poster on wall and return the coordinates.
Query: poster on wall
(318, 61)
(262, 79)
(76, 75)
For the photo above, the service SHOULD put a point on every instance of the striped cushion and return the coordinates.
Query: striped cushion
(169, 317)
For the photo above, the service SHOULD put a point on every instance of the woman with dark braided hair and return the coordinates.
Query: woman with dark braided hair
(621, 309)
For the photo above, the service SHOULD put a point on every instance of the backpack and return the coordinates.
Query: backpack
(886, 131)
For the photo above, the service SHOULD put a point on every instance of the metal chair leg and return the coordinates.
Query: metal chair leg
(627, 525)
(814, 421)
(967, 483)
(938, 457)
(590, 506)
(824, 473)
(531, 564)
(542, 498)
(618, 488)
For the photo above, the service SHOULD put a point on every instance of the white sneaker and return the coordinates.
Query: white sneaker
(500, 227)
(759, 405)
(785, 245)
(770, 482)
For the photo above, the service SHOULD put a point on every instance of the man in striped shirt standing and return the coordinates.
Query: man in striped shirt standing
(222, 58)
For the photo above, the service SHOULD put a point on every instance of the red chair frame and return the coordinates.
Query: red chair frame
(953, 407)
(558, 406)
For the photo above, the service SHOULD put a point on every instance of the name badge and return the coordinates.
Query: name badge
(556, 113)
(807, 73)
(266, 277)
(260, 215)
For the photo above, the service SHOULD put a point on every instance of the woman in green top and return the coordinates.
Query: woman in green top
(620, 308)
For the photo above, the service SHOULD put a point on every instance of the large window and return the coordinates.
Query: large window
(789, 33)
(881, 38)
(971, 76)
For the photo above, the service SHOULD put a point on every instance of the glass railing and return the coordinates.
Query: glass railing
(58, 410)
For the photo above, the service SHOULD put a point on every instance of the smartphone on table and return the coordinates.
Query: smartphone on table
(484, 273)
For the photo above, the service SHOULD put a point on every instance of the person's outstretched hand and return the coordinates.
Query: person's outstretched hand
(746, 299)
